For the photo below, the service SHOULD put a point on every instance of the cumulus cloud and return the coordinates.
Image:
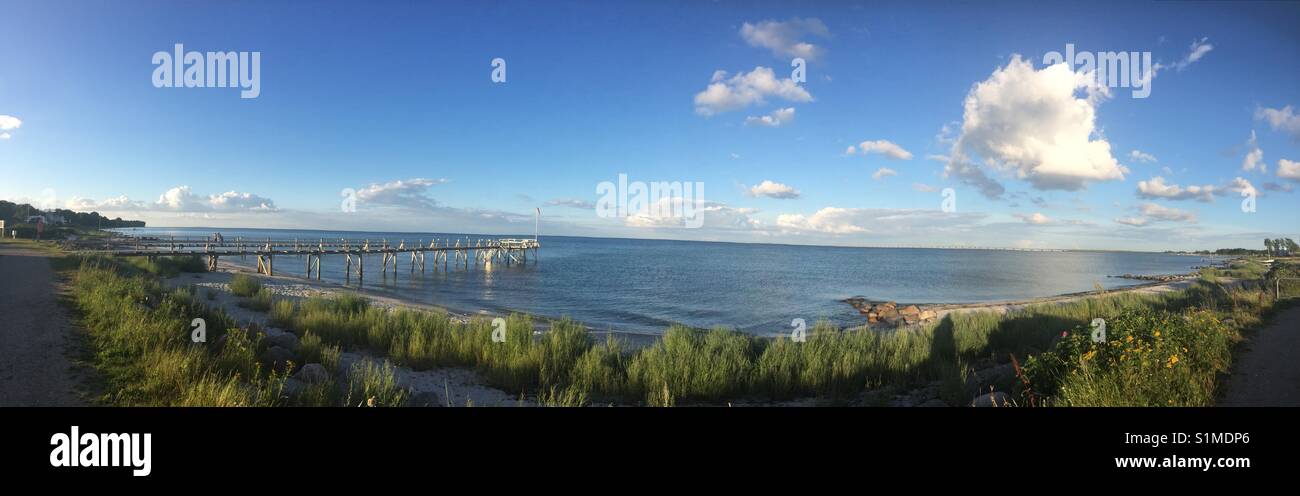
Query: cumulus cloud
(883, 147)
(1254, 156)
(1031, 123)
(971, 175)
(1288, 169)
(8, 123)
(179, 199)
(786, 38)
(772, 189)
(883, 172)
(1141, 156)
(747, 88)
(572, 203)
(1284, 119)
(408, 193)
(777, 118)
(1156, 188)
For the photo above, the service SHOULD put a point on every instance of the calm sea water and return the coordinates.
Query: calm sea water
(645, 285)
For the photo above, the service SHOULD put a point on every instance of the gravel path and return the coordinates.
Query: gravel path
(1268, 372)
(34, 333)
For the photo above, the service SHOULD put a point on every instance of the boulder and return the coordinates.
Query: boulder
(910, 311)
(284, 340)
(927, 315)
(994, 399)
(279, 357)
(293, 387)
(312, 373)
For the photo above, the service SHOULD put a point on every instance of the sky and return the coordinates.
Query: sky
(910, 124)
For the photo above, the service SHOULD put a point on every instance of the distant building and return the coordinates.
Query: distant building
(36, 219)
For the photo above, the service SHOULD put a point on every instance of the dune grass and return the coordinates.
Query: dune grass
(244, 285)
(140, 342)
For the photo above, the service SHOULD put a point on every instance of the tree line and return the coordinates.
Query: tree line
(17, 213)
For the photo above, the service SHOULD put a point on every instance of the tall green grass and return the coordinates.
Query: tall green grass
(139, 337)
(244, 285)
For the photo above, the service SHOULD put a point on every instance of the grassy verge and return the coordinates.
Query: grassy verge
(146, 356)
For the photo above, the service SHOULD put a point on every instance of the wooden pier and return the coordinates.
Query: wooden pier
(450, 253)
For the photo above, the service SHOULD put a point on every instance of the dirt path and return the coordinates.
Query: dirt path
(34, 333)
(1268, 372)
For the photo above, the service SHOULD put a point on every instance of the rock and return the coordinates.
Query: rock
(999, 378)
(312, 373)
(910, 311)
(927, 315)
(293, 387)
(284, 340)
(279, 357)
(994, 399)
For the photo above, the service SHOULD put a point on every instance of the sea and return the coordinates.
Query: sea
(644, 286)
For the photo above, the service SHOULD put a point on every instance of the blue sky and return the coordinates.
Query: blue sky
(395, 100)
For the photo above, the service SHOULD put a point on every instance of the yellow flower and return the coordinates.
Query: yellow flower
(1173, 359)
(1157, 333)
(1089, 355)
(1129, 339)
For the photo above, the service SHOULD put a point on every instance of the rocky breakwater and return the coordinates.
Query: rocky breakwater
(890, 313)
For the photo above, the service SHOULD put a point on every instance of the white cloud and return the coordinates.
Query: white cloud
(883, 172)
(1288, 169)
(1157, 212)
(785, 38)
(1284, 119)
(1030, 122)
(741, 90)
(1197, 50)
(1036, 218)
(1156, 188)
(5, 136)
(9, 123)
(777, 118)
(923, 188)
(1132, 221)
(841, 221)
(772, 189)
(573, 203)
(971, 175)
(883, 147)
(1240, 185)
(1254, 156)
(181, 199)
(409, 193)
(1141, 156)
